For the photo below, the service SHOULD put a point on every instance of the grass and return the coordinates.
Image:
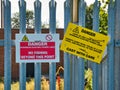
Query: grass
(30, 85)
(45, 83)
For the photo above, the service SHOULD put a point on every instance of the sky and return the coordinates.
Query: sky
(0, 14)
(45, 9)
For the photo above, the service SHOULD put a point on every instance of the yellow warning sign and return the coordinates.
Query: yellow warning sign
(84, 43)
(25, 38)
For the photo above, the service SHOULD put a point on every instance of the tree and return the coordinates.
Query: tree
(15, 21)
(103, 18)
(89, 17)
(103, 22)
(29, 20)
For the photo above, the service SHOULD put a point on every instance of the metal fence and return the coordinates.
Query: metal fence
(104, 74)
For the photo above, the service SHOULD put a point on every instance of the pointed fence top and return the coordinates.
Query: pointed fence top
(21, 2)
(52, 2)
(6, 1)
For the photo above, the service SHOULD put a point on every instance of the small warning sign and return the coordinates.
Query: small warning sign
(84, 43)
(32, 48)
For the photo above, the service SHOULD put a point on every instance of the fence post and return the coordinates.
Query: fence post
(7, 45)
(52, 66)
(22, 69)
(67, 18)
(37, 68)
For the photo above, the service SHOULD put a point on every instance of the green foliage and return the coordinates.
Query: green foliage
(88, 78)
(89, 17)
(104, 3)
(29, 19)
(1, 79)
(15, 22)
(103, 18)
(45, 83)
(103, 21)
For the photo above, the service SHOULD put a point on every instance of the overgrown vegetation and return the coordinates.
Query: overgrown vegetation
(45, 83)
(103, 17)
(30, 21)
(15, 22)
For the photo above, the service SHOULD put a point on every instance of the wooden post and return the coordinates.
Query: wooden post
(73, 59)
(75, 11)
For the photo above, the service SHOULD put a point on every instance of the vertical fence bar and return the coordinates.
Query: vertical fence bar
(73, 58)
(72, 71)
(52, 66)
(111, 14)
(37, 68)
(67, 19)
(95, 66)
(104, 77)
(76, 75)
(7, 45)
(117, 49)
(81, 21)
(22, 71)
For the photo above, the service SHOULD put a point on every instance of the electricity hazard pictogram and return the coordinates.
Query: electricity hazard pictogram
(76, 30)
(25, 38)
